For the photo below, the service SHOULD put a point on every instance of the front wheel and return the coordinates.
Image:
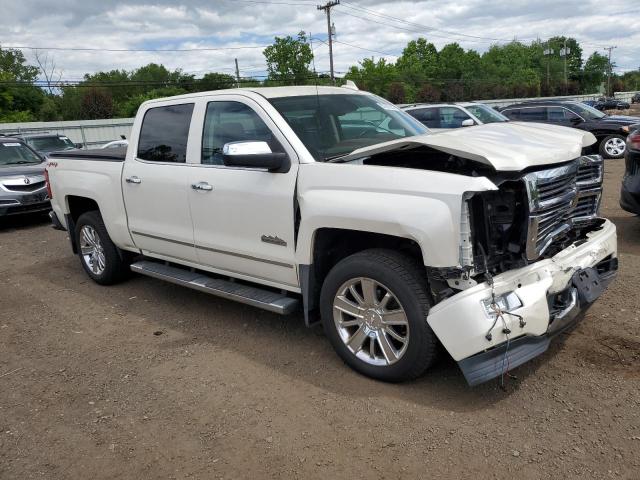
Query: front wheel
(374, 308)
(613, 146)
(99, 256)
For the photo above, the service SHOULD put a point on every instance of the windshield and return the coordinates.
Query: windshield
(331, 126)
(15, 153)
(49, 144)
(486, 114)
(585, 111)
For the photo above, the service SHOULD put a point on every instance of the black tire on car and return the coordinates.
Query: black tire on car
(395, 281)
(99, 257)
(607, 144)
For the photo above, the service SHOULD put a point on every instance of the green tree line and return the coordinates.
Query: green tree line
(421, 74)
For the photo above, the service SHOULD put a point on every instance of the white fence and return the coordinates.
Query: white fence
(88, 132)
(503, 102)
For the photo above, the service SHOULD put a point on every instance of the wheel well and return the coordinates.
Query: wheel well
(80, 205)
(77, 206)
(331, 245)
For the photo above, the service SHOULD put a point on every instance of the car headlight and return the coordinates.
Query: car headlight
(506, 302)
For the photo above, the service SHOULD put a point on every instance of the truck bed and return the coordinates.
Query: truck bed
(97, 154)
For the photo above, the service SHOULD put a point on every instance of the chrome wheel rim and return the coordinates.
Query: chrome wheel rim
(614, 146)
(371, 322)
(92, 250)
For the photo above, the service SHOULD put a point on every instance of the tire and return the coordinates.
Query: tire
(398, 275)
(613, 146)
(99, 257)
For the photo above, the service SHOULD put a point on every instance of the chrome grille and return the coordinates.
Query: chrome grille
(560, 199)
(32, 187)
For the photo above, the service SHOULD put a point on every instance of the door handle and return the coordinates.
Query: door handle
(202, 186)
(133, 179)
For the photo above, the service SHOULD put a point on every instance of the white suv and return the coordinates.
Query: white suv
(447, 116)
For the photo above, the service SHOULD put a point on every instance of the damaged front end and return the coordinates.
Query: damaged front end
(537, 255)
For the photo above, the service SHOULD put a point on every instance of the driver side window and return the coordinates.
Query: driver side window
(227, 122)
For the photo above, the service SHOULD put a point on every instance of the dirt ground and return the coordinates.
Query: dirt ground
(147, 380)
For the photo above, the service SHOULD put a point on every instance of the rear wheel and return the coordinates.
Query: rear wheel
(374, 310)
(613, 146)
(99, 256)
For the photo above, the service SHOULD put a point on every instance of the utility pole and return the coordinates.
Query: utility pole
(609, 70)
(547, 52)
(237, 75)
(564, 52)
(327, 9)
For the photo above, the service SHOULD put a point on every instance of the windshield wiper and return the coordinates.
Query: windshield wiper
(335, 158)
(20, 162)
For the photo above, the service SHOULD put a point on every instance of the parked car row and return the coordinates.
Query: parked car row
(610, 130)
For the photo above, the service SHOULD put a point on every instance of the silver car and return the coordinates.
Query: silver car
(447, 116)
(22, 180)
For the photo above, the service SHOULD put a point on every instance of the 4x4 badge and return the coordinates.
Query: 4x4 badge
(274, 240)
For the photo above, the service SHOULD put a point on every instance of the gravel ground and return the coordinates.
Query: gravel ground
(147, 380)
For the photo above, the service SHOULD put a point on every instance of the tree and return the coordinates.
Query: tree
(216, 81)
(375, 77)
(595, 72)
(396, 93)
(96, 103)
(19, 99)
(288, 60)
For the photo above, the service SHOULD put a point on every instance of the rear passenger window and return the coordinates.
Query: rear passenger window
(533, 114)
(164, 133)
(426, 116)
(513, 114)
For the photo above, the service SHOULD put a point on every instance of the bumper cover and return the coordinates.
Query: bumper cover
(17, 209)
(553, 292)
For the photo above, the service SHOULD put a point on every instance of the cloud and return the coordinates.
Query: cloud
(162, 24)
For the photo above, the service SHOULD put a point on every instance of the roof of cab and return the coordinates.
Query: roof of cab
(270, 92)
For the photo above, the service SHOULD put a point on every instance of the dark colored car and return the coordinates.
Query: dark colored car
(635, 98)
(630, 193)
(611, 104)
(45, 143)
(610, 130)
(22, 179)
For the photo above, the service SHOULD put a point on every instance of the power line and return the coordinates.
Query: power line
(89, 49)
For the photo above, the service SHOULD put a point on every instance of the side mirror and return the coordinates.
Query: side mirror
(467, 123)
(79, 145)
(576, 120)
(253, 154)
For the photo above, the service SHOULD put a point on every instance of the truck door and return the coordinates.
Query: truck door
(243, 218)
(155, 184)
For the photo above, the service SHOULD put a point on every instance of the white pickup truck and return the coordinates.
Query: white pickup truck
(333, 202)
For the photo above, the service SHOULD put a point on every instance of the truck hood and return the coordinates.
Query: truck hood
(509, 146)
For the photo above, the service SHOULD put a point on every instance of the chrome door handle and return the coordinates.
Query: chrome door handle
(202, 186)
(133, 179)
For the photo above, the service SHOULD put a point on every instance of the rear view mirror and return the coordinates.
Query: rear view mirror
(253, 154)
(467, 123)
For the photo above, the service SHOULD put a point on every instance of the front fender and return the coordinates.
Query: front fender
(420, 205)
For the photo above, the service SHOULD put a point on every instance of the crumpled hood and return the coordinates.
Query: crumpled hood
(508, 146)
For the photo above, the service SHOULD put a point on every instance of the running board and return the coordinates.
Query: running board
(256, 297)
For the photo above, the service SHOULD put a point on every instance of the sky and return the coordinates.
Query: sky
(240, 29)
